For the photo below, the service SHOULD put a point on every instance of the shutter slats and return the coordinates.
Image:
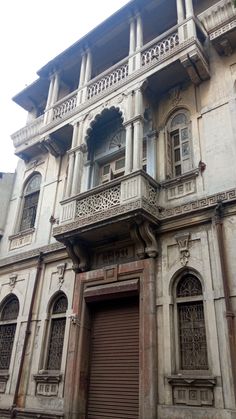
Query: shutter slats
(114, 376)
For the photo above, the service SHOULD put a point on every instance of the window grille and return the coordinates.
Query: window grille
(7, 334)
(191, 324)
(31, 197)
(56, 344)
(192, 336)
(189, 286)
(56, 333)
(9, 314)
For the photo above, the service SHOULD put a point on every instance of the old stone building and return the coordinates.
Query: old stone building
(117, 251)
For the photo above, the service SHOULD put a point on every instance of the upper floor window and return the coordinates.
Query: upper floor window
(179, 150)
(191, 324)
(30, 202)
(56, 333)
(8, 318)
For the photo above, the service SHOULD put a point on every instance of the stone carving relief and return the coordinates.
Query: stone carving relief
(183, 244)
(61, 272)
(12, 281)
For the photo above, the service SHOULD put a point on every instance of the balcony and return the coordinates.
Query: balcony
(173, 57)
(90, 214)
(220, 23)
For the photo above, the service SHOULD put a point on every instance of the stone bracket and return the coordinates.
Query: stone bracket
(79, 256)
(145, 240)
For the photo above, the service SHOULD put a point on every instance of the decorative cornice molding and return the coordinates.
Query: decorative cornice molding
(34, 253)
(201, 204)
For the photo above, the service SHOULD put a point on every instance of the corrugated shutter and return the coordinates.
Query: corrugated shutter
(114, 363)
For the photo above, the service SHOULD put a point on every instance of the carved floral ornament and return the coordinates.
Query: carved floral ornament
(61, 272)
(182, 240)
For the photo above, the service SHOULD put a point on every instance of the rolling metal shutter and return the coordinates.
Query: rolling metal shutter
(114, 363)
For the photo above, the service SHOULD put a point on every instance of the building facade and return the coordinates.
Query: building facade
(117, 250)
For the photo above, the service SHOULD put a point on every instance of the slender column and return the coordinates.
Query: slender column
(152, 154)
(129, 149)
(139, 32)
(76, 131)
(76, 177)
(81, 79)
(189, 8)
(82, 70)
(132, 41)
(70, 174)
(132, 37)
(55, 91)
(138, 144)
(49, 99)
(88, 70)
(180, 11)
(191, 26)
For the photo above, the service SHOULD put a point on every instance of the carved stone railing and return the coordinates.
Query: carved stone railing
(133, 192)
(160, 48)
(108, 80)
(29, 131)
(217, 16)
(65, 106)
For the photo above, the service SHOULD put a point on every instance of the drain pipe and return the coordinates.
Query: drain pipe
(219, 214)
(27, 335)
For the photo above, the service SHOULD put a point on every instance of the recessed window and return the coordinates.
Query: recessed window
(8, 319)
(191, 324)
(56, 333)
(30, 202)
(179, 159)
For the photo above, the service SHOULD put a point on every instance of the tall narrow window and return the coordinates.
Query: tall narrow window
(8, 318)
(179, 156)
(191, 324)
(30, 204)
(56, 333)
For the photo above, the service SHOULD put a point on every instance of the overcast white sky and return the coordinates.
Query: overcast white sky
(32, 33)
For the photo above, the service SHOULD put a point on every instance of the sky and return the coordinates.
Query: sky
(31, 34)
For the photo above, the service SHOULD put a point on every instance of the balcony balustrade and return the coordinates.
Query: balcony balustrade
(104, 82)
(64, 106)
(28, 132)
(135, 193)
(159, 49)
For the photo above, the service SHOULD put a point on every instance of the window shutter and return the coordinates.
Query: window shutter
(169, 172)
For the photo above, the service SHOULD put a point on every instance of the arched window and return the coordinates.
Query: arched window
(191, 324)
(179, 154)
(31, 197)
(56, 332)
(8, 318)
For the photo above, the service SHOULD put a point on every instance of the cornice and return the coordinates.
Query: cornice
(34, 253)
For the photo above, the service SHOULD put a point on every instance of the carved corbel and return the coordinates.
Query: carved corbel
(183, 243)
(139, 243)
(79, 256)
(149, 238)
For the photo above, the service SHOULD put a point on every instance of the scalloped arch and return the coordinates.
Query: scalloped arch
(100, 115)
